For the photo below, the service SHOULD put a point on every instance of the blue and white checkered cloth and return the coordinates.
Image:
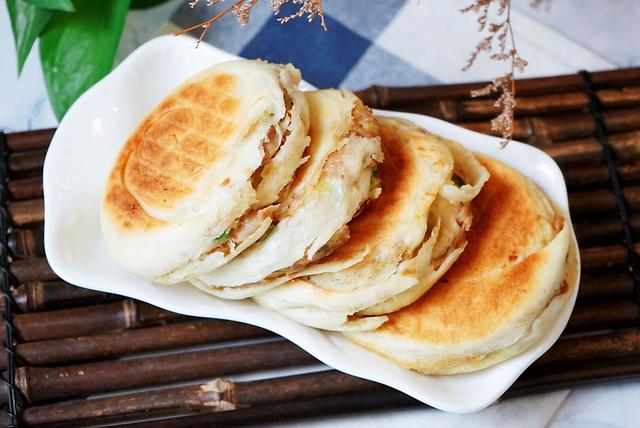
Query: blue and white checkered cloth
(343, 56)
(416, 42)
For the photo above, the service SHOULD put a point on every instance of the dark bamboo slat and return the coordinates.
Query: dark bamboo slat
(385, 398)
(544, 129)
(605, 285)
(25, 188)
(46, 383)
(626, 147)
(293, 389)
(579, 374)
(26, 243)
(376, 400)
(454, 110)
(88, 320)
(39, 295)
(602, 231)
(85, 348)
(22, 163)
(239, 395)
(382, 398)
(29, 270)
(618, 344)
(604, 314)
(604, 258)
(29, 140)
(387, 97)
(598, 175)
(215, 395)
(619, 97)
(26, 212)
(601, 201)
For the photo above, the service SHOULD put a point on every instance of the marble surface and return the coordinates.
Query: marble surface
(609, 33)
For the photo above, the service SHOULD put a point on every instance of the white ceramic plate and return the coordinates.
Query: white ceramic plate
(85, 147)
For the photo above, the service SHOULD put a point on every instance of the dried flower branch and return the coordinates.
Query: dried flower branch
(205, 25)
(242, 9)
(498, 42)
(501, 41)
(311, 9)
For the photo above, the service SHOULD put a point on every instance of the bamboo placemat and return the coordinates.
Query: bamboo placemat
(143, 366)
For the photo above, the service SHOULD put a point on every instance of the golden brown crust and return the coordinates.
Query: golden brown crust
(397, 172)
(167, 151)
(179, 139)
(464, 306)
(506, 221)
(461, 311)
(123, 207)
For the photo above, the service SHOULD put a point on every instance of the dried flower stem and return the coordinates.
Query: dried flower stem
(311, 8)
(205, 25)
(500, 39)
(500, 34)
(242, 9)
(321, 15)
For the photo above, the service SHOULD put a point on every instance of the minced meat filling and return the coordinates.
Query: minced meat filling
(363, 124)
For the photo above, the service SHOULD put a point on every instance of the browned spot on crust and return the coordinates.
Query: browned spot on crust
(180, 139)
(397, 173)
(458, 311)
(124, 208)
(224, 82)
(564, 287)
(505, 222)
(558, 223)
(163, 160)
(463, 306)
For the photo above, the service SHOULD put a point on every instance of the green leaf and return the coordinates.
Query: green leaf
(457, 180)
(144, 4)
(63, 5)
(224, 237)
(78, 49)
(27, 22)
(374, 181)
